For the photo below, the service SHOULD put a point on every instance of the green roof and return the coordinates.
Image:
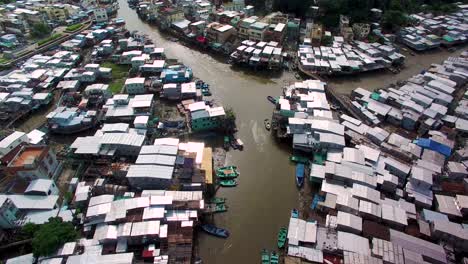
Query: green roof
(375, 96)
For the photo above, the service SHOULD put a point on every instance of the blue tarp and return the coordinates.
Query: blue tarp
(428, 143)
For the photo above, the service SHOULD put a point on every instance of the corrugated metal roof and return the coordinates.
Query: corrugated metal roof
(150, 171)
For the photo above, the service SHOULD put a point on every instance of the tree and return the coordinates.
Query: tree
(394, 19)
(40, 30)
(51, 235)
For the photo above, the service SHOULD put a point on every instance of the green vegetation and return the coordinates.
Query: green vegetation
(49, 39)
(74, 27)
(119, 74)
(48, 237)
(395, 11)
(40, 30)
(3, 60)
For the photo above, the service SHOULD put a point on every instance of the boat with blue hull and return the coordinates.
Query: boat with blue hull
(300, 169)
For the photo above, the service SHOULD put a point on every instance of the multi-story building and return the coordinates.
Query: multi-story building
(100, 15)
(257, 31)
(244, 26)
(206, 118)
(235, 5)
(168, 15)
(135, 85)
(34, 162)
(219, 33)
(9, 213)
(12, 141)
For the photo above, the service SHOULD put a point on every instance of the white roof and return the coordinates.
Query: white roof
(6, 142)
(353, 243)
(349, 220)
(39, 185)
(156, 160)
(154, 212)
(137, 80)
(145, 228)
(150, 171)
(101, 199)
(301, 231)
(33, 202)
(24, 259)
(36, 136)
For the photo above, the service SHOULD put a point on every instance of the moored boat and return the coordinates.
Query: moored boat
(274, 258)
(267, 124)
(282, 234)
(265, 256)
(299, 159)
(300, 168)
(215, 231)
(294, 213)
(271, 99)
(227, 172)
(217, 200)
(220, 208)
(240, 144)
(228, 183)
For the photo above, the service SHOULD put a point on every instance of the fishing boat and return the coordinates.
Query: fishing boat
(226, 143)
(240, 144)
(274, 258)
(267, 124)
(282, 235)
(271, 99)
(215, 231)
(300, 174)
(228, 183)
(299, 159)
(227, 172)
(217, 200)
(265, 257)
(220, 208)
(294, 213)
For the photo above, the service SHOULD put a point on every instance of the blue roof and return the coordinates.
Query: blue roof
(428, 143)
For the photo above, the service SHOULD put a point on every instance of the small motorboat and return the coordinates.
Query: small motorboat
(215, 231)
(228, 183)
(274, 258)
(282, 235)
(228, 172)
(265, 256)
(271, 99)
(300, 168)
(240, 144)
(267, 124)
(299, 159)
(217, 200)
(294, 213)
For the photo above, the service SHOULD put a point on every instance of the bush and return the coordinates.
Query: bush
(40, 30)
(74, 27)
(49, 39)
(52, 235)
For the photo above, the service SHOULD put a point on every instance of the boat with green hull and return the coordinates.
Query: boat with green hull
(282, 235)
(265, 257)
(220, 208)
(228, 183)
(217, 200)
(299, 159)
(274, 258)
(229, 172)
